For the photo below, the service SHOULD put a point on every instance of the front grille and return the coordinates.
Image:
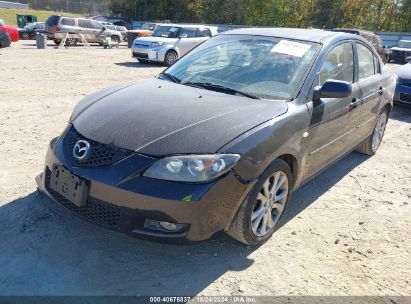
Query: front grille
(100, 155)
(95, 210)
(141, 45)
(140, 55)
(405, 97)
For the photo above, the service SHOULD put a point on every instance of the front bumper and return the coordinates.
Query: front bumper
(399, 56)
(120, 198)
(151, 54)
(402, 93)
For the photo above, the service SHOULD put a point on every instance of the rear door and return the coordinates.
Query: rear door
(68, 25)
(334, 121)
(370, 80)
(86, 29)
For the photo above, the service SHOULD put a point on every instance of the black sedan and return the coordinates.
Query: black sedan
(401, 51)
(403, 88)
(4, 39)
(219, 140)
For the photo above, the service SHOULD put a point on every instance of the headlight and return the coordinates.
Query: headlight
(154, 44)
(192, 168)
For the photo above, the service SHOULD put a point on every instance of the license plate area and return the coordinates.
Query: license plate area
(68, 185)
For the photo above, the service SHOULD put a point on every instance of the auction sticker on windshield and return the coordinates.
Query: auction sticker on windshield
(292, 48)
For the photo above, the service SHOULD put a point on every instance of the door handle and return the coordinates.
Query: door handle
(354, 104)
(380, 91)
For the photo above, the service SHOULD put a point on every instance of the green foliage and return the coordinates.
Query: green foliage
(374, 15)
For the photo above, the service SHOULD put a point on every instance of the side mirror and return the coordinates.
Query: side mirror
(333, 89)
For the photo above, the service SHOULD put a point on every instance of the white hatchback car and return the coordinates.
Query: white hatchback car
(170, 41)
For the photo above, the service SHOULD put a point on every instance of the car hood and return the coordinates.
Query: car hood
(158, 117)
(395, 48)
(404, 72)
(149, 39)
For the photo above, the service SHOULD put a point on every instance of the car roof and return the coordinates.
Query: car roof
(187, 25)
(313, 35)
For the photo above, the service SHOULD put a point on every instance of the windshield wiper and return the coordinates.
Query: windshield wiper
(219, 88)
(170, 77)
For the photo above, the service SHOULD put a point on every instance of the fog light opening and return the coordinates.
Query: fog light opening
(164, 226)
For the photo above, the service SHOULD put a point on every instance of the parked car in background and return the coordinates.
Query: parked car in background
(403, 88)
(12, 31)
(93, 31)
(170, 42)
(30, 30)
(218, 141)
(4, 39)
(146, 29)
(401, 51)
(373, 38)
(122, 29)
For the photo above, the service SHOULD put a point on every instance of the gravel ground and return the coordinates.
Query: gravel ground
(347, 232)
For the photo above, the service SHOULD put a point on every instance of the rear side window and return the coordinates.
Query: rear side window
(203, 33)
(85, 23)
(68, 21)
(365, 62)
(52, 20)
(339, 64)
(190, 33)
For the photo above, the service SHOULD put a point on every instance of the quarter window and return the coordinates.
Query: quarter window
(339, 64)
(203, 33)
(365, 62)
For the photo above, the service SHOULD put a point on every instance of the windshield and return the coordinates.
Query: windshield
(148, 26)
(404, 44)
(265, 67)
(166, 31)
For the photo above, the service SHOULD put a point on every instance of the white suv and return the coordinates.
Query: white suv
(170, 41)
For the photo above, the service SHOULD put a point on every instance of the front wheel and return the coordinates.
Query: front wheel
(115, 39)
(258, 216)
(371, 144)
(170, 58)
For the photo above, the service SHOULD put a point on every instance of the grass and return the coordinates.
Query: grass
(9, 15)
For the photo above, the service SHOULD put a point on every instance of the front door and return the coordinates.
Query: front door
(371, 84)
(334, 120)
(187, 40)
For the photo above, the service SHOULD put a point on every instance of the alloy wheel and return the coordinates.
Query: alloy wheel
(379, 131)
(269, 204)
(171, 57)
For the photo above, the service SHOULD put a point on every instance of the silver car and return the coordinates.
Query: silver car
(170, 41)
(93, 31)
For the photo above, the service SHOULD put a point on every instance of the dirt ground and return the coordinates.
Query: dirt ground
(346, 232)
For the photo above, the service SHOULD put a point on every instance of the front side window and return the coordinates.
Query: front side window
(265, 67)
(365, 62)
(188, 33)
(166, 31)
(339, 64)
(97, 25)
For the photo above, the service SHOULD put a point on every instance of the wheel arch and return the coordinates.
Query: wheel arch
(292, 162)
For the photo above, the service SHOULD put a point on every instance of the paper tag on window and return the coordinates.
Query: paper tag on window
(292, 48)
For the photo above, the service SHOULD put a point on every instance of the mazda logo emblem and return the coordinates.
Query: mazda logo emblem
(81, 150)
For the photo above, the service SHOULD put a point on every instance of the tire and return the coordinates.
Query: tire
(25, 36)
(250, 231)
(57, 42)
(115, 38)
(170, 58)
(71, 41)
(372, 143)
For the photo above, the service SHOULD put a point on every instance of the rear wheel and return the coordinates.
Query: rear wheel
(170, 58)
(57, 42)
(371, 144)
(71, 41)
(25, 36)
(257, 218)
